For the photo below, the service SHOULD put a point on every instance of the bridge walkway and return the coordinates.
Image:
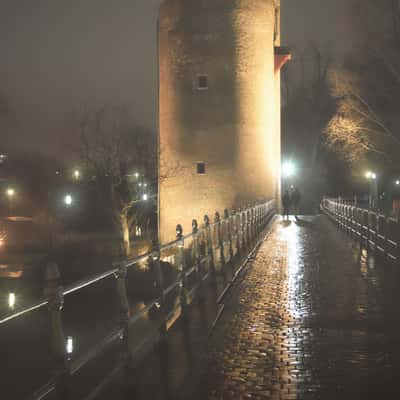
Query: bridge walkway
(313, 316)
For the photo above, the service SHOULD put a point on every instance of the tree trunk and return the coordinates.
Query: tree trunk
(125, 234)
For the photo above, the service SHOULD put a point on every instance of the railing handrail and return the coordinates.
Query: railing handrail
(238, 230)
(366, 225)
(125, 263)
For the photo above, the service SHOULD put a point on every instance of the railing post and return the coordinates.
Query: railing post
(254, 221)
(54, 294)
(196, 258)
(243, 227)
(181, 264)
(385, 236)
(220, 243)
(396, 239)
(228, 231)
(125, 314)
(120, 276)
(248, 227)
(155, 267)
(238, 222)
(209, 243)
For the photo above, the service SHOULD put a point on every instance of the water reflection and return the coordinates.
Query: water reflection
(11, 271)
(69, 346)
(290, 234)
(11, 300)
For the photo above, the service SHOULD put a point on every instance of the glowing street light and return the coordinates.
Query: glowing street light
(68, 200)
(145, 197)
(288, 169)
(136, 174)
(373, 189)
(69, 345)
(370, 175)
(398, 182)
(10, 192)
(77, 174)
(11, 300)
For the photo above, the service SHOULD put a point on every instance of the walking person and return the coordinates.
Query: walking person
(296, 198)
(286, 201)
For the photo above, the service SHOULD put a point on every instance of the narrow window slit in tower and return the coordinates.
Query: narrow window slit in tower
(202, 82)
(201, 168)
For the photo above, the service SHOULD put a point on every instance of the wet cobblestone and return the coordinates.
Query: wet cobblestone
(313, 316)
(309, 320)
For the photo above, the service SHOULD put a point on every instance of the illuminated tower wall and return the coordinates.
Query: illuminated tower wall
(219, 107)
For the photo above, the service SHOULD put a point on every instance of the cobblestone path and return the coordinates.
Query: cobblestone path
(313, 318)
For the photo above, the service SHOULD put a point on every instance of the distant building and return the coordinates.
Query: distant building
(219, 107)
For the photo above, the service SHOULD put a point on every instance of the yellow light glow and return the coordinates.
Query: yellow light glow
(77, 174)
(11, 300)
(370, 175)
(10, 192)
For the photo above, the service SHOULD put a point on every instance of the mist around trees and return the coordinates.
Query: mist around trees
(120, 158)
(340, 110)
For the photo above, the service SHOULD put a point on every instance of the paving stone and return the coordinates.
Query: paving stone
(303, 285)
(314, 317)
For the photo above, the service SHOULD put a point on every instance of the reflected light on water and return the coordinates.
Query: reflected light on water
(364, 263)
(69, 346)
(11, 271)
(11, 300)
(291, 236)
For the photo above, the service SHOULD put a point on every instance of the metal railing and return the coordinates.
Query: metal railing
(195, 257)
(373, 230)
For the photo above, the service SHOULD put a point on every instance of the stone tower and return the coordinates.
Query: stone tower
(219, 107)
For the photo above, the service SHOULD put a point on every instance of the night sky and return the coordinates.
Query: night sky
(60, 56)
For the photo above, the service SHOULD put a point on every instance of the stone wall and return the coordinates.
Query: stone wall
(232, 125)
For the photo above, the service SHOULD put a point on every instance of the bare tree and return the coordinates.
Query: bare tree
(122, 159)
(356, 129)
(366, 87)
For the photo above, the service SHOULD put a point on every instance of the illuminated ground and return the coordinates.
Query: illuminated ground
(313, 317)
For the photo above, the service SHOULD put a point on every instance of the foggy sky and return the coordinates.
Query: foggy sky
(58, 55)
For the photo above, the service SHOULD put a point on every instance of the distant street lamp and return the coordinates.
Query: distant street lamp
(398, 182)
(370, 175)
(288, 169)
(145, 197)
(77, 174)
(68, 200)
(10, 192)
(11, 300)
(373, 189)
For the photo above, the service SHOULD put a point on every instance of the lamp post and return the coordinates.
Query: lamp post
(373, 189)
(288, 171)
(77, 174)
(68, 200)
(10, 192)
